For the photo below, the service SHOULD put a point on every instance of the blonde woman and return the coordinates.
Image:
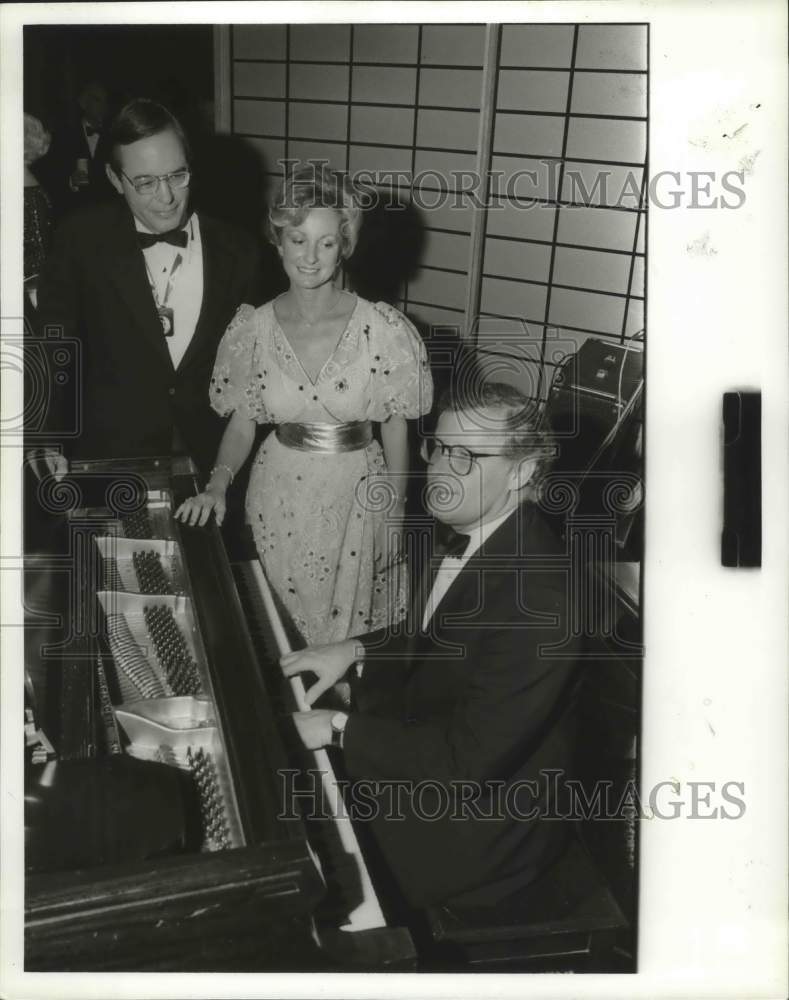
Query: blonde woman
(324, 366)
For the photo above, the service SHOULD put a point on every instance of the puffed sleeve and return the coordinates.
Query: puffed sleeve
(238, 380)
(402, 384)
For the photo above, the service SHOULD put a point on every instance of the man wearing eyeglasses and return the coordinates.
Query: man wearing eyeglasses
(457, 723)
(146, 286)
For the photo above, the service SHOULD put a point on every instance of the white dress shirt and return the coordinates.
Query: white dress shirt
(452, 565)
(186, 294)
(91, 140)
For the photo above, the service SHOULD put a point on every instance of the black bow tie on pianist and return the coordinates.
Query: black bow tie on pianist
(175, 237)
(450, 542)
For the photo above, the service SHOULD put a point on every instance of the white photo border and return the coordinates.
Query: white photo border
(713, 893)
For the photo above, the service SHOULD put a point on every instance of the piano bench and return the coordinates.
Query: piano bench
(565, 921)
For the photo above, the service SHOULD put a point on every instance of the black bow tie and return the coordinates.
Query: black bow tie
(176, 238)
(91, 131)
(450, 542)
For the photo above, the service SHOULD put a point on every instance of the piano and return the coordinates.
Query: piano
(173, 820)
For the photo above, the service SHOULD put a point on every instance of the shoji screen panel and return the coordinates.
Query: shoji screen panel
(565, 230)
(259, 89)
(561, 223)
(397, 102)
(384, 85)
(446, 140)
(291, 90)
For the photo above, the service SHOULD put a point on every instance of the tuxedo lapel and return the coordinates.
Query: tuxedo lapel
(218, 269)
(521, 540)
(83, 146)
(126, 270)
(503, 543)
(421, 583)
(523, 543)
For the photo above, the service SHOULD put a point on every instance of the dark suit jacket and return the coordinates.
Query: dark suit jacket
(486, 697)
(94, 288)
(69, 144)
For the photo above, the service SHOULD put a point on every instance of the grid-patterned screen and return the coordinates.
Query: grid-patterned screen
(521, 149)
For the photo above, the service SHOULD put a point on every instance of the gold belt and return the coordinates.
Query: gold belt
(326, 438)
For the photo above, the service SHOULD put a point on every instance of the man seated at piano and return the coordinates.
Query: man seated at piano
(461, 724)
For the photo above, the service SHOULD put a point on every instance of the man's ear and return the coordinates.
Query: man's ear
(522, 473)
(113, 178)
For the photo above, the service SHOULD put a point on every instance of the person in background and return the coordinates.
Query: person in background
(74, 171)
(37, 206)
(85, 149)
(146, 286)
(470, 709)
(325, 499)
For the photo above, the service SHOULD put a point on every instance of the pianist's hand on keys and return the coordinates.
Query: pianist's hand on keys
(329, 663)
(314, 727)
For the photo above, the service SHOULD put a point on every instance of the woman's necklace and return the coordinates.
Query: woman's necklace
(317, 319)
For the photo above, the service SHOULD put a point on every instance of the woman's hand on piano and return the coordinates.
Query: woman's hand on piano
(197, 509)
(329, 664)
(314, 727)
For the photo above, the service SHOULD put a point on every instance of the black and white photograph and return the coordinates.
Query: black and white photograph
(344, 639)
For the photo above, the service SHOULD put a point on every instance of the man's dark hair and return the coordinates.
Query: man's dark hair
(521, 419)
(140, 119)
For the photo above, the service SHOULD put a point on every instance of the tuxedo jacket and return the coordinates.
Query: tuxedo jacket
(94, 291)
(474, 719)
(70, 144)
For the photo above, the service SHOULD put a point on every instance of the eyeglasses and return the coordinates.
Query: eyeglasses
(460, 458)
(146, 185)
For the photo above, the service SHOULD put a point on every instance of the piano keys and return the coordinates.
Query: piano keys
(367, 912)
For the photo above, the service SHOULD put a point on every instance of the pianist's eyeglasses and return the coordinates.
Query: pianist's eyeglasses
(147, 185)
(460, 458)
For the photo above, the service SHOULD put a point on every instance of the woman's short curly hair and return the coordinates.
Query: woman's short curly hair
(37, 139)
(312, 185)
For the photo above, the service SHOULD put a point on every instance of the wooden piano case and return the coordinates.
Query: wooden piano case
(158, 838)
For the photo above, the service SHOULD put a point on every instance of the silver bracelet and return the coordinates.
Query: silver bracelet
(227, 469)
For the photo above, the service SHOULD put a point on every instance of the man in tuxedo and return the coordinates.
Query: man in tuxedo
(461, 726)
(87, 177)
(74, 170)
(146, 287)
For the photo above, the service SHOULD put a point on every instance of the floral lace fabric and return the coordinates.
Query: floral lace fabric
(37, 229)
(319, 523)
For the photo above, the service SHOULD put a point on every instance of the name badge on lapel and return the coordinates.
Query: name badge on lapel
(167, 319)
